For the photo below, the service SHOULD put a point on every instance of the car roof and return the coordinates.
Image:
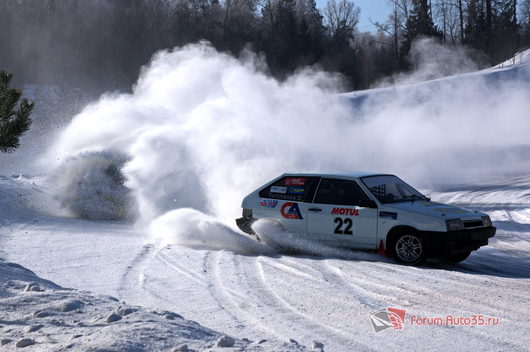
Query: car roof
(355, 174)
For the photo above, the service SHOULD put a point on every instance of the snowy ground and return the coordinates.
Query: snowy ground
(41, 315)
(200, 130)
(274, 297)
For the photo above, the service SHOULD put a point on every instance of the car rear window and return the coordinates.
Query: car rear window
(298, 188)
(340, 192)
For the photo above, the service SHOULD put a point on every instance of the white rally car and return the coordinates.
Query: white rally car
(368, 211)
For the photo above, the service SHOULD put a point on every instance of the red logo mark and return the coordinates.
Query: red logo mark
(397, 317)
(291, 211)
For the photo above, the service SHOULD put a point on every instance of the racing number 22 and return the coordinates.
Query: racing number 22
(347, 222)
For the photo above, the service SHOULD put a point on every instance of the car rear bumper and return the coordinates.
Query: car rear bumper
(456, 242)
(245, 224)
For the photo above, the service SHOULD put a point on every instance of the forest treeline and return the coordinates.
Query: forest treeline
(101, 44)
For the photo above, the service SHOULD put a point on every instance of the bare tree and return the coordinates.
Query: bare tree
(341, 17)
(395, 26)
(441, 11)
(447, 16)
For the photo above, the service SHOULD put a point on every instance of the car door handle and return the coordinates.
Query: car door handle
(315, 210)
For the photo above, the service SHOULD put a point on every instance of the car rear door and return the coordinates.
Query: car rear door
(287, 200)
(336, 217)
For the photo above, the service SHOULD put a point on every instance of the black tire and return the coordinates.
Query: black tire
(408, 248)
(457, 258)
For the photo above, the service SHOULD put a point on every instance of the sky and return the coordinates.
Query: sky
(376, 10)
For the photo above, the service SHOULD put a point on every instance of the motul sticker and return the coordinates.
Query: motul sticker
(291, 211)
(295, 181)
(345, 211)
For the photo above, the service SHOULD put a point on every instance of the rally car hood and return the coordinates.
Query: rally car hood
(434, 209)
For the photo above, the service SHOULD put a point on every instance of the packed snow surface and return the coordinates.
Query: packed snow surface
(136, 200)
(40, 315)
(254, 293)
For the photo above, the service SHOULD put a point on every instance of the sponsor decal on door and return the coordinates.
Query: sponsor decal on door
(291, 210)
(268, 203)
(345, 211)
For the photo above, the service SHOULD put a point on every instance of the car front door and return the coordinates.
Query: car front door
(339, 215)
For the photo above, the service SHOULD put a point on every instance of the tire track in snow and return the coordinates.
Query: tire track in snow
(134, 273)
(303, 322)
(452, 293)
(217, 289)
(173, 264)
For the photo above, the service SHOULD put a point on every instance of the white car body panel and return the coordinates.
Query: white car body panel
(370, 226)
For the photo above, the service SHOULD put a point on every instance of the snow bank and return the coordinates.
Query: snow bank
(518, 59)
(21, 198)
(42, 316)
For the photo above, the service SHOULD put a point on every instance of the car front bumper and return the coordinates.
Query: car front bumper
(456, 242)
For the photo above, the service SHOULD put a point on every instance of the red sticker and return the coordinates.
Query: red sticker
(295, 181)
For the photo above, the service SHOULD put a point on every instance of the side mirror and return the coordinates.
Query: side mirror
(367, 203)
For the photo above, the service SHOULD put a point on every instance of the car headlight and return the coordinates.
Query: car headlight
(486, 221)
(454, 224)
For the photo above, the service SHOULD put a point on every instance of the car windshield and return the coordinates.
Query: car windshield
(391, 189)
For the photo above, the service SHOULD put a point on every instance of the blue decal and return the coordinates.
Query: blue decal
(268, 203)
(295, 190)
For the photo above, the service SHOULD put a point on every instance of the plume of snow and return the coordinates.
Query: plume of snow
(202, 129)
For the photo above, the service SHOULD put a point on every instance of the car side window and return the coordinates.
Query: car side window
(340, 192)
(297, 188)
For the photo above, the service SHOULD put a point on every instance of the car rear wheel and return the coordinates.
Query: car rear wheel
(408, 248)
(457, 258)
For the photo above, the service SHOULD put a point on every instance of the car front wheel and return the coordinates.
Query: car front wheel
(409, 249)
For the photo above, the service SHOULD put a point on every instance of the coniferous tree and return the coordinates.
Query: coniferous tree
(14, 120)
(419, 23)
(475, 25)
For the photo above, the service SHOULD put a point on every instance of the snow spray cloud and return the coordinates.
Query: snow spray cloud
(202, 129)
(430, 60)
(274, 235)
(92, 186)
(191, 228)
